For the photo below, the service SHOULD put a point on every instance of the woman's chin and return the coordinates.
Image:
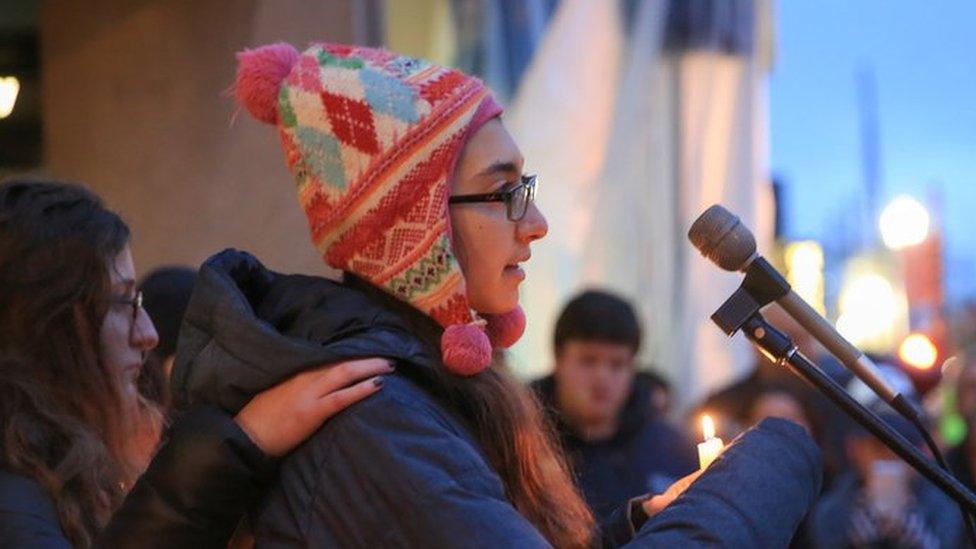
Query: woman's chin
(498, 305)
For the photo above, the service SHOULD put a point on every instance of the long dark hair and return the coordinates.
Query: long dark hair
(520, 445)
(61, 409)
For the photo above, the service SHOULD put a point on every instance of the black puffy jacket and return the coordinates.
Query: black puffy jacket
(399, 469)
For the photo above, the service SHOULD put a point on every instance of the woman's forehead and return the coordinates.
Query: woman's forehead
(122, 269)
(492, 149)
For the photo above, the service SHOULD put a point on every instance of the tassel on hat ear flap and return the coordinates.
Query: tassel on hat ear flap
(260, 73)
(505, 329)
(465, 349)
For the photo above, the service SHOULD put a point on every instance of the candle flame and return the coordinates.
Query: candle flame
(708, 426)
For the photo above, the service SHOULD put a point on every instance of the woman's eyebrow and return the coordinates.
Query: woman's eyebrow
(499, 167)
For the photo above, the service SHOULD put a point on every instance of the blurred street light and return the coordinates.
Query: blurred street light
(805, 271)
(918, 351)
(872, 307)
(9, 88)
(904, 222)
(868, 306)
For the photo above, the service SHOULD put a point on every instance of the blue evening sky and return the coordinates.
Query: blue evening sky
(923, 55)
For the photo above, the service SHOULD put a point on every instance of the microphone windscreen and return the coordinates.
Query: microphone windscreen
(722, 238)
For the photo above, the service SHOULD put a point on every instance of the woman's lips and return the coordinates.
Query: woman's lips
(515, 271)
(132, 371)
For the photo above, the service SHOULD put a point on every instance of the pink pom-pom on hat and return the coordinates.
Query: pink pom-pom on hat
(504, 330)
(260, 73)
(465, 349)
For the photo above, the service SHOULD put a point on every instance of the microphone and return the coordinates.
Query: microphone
(722, 238)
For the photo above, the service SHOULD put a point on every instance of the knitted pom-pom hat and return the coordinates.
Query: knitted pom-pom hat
(372, 139)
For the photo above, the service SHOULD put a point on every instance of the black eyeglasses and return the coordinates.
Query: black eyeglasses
(135, 302)
(517, 199)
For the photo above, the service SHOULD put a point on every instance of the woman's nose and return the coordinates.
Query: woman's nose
(533, 226)
(144, 336)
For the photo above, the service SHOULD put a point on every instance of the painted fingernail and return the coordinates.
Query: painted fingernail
(378, 381)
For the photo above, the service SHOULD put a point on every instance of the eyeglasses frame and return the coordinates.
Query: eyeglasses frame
(135, 302)
(527, 181)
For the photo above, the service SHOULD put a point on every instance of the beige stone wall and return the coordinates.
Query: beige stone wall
(134, 106)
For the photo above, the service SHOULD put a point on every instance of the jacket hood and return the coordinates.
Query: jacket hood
(247, 328)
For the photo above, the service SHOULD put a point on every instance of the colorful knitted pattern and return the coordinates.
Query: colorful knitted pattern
(372, 138)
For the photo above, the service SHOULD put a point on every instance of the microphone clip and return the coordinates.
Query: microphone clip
(761, 286)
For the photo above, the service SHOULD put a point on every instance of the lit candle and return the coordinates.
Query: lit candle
(712, 447)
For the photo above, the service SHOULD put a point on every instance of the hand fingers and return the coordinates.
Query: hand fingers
(322, 380)
(683, 483)
(654, 505)
(336, 401)
(343, 374)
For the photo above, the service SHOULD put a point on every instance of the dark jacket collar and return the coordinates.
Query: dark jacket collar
(634, 416)
(422, 326)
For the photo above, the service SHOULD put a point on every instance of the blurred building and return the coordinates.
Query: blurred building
(133, 99)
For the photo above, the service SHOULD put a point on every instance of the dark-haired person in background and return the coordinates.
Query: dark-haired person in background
(619, 445)
(165, 295)
(881, 502)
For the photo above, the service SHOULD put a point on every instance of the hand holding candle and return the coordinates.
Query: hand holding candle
(712, 447)
(707, 452)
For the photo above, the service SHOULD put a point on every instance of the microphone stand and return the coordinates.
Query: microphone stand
(779, 348)
(721, 238)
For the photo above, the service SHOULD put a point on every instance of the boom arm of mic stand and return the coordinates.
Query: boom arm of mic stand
(781, 349)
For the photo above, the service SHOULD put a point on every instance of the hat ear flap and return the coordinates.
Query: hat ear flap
(260, 73)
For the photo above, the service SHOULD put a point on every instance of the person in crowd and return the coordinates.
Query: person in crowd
(881, 501)
(962, 457)
(415, 190)
(661, 390)
(618, 445)
(73, 336)
(773, 400)
(165, 295)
